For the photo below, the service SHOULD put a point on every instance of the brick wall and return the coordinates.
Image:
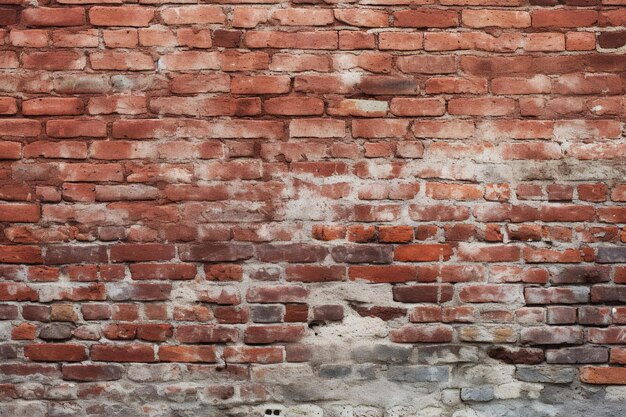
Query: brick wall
(367, 208)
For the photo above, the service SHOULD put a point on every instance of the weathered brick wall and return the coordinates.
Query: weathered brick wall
(399, 208)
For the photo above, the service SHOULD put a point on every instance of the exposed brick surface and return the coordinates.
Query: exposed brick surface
(398, 208)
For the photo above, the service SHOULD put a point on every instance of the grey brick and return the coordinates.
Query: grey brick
(578, 355)
(418, 373)
(447, 354)
(546, 373)
(56, 331)
(267, 314)
(8, 351)
(479, 394)
(335, 371)
(611, 255)
(381, 353)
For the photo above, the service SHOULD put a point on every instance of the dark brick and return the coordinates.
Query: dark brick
(295, 252)
(267, 314)
(226, 38)
(582, 275)
(577, 355)
(612, 40)
(328, 313)
(424, 293)
(55, 255)
(611, 255)
(376, 254)
(215, 252)
(513, 355)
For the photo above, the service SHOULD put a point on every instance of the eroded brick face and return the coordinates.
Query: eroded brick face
(381, 208)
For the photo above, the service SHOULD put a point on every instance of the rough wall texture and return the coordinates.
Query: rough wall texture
(347, 209)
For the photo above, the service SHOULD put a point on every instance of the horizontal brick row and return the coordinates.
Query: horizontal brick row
(307, 253)
(249, 17)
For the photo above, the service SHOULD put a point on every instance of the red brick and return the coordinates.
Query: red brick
(75, 39)
(317, 128)
(395, 234)
(120, 16)
(438, 213)
(490, 294)
(303, 16)
(8, 105)
(292, 40)
(556, 295)
(48, 16)
(314, 273)
(34, 38)
(187, 354)
(417, 107)
(380, 274)
(121, 61)
(284, 62)
(379, 128)
(247, 354)
(240, 61)
(423, 293)
(54, 61)
(53, 106)
(10, 291)
(426, 18)
(439, 191)
(24, 331)
(122, 353)
(422, 253)
(538, 255)
(206, 334)
(618, 355)
(402, 41)
(458, 129)
(580, 41)
(273, 333)
(141, 252)
(294, 106)
(489, 253)
(163, 271)
(185, 15)
(455, 85)
(552, 335)
(92, 372)
(261, 84)
(8, 59)
(19, 127)
(542, 18)
(603, 375)
(362, 18)
(20, 254)
(277, 294)
(495, 18)
(55, 352)
(422, 334)
(20, 213)
(75, 128)
(8, 16)
(481, 106)
(439, 64)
